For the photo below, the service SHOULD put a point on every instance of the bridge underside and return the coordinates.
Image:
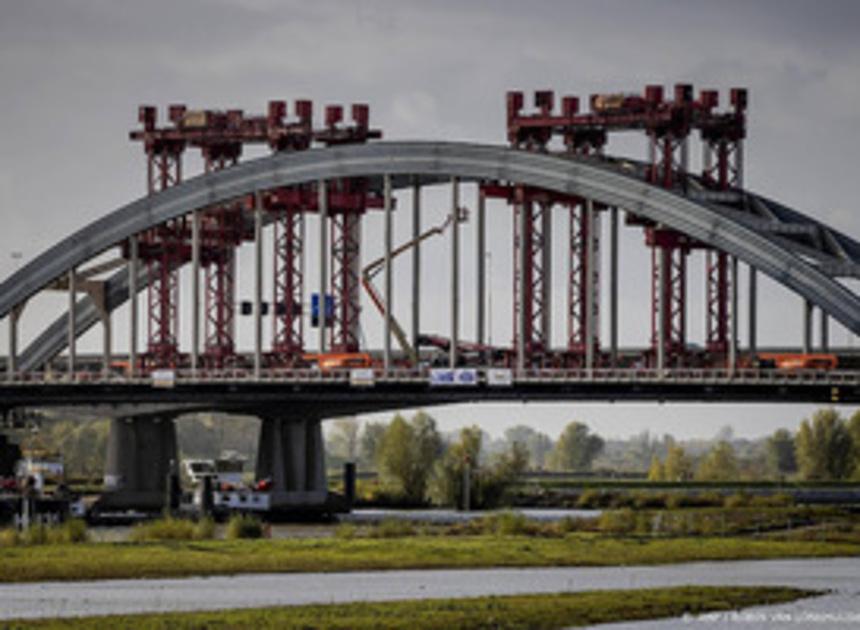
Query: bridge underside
(143, 461)
(326, 400)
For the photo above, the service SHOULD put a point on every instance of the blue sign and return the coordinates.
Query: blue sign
(461, 377)
(315, 310)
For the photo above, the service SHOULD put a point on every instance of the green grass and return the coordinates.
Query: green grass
(172, 529)
(510, 612)
(213, 557)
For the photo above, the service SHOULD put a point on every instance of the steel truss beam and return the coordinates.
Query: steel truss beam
(347, 203)
(289, 275)
(533, 306)
(584, 279)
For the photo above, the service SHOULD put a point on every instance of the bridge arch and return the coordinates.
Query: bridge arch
(432, 162)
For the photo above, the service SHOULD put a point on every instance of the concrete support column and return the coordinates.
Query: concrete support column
(455, 272)
(258, 287)
(481, 280)
(389, 286)
(753, 307)
(132, 301)
(292, 456)
(416, 264)
(807, 326)
(733, 314)
(315, 477)
(141, 452)
(322, 193)
(72, 333)
(195, 292)
(613, 286)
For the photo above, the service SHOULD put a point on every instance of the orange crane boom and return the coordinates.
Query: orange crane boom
(371, 270)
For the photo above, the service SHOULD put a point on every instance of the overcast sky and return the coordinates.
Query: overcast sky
(73, 73)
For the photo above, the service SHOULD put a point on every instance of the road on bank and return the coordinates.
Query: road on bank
(65, 599)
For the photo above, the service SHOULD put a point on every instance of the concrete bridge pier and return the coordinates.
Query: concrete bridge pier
(292, 456)
(141, 452)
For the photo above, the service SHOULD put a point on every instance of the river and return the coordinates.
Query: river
(841, 576)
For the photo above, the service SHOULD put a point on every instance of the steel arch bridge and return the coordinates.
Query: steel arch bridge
(201, 223)
(755, 230)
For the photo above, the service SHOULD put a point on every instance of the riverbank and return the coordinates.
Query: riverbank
(515, 612)
(93, 561)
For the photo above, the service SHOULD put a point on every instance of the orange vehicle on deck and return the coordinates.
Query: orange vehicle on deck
(339, 360)
(798, 361)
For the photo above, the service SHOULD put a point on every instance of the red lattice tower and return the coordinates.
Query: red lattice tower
(722, 169)
(537, 204)
(668, 160)
(669, 251)
(583, 267)
(348, 200)
(165, 248)
(532, 233)
(288, 207)
(534, 265)
(667, 125)
(582, 135)
(222, 232)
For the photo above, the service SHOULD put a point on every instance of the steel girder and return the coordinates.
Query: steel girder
(610, 182)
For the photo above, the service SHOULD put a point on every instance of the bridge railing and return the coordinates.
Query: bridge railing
(493, 377)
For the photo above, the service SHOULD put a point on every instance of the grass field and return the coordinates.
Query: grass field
(85, 561)
(510, 612)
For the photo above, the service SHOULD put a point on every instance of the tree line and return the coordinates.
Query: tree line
(825, 446)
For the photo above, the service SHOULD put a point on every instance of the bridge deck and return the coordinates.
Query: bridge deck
(360, 391)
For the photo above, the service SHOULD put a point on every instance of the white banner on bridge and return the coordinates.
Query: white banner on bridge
(163, 378)
(461, 377)
(361, 377)
(500, 378)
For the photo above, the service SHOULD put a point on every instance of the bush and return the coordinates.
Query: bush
(345, 531)
(649, 501)
(618, 522)
(244, 526)
(736, 500)
(571, 524)
(204, 529)
(780, 499)
(392, 528)
(594, 499)
(35, 535)
(72, 531)
(9, 538)
(507, 524)
(674, 501)
(167, 529)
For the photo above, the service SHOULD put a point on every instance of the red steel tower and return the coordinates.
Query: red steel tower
(667, 125)
(722, 169)
(165, 248)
